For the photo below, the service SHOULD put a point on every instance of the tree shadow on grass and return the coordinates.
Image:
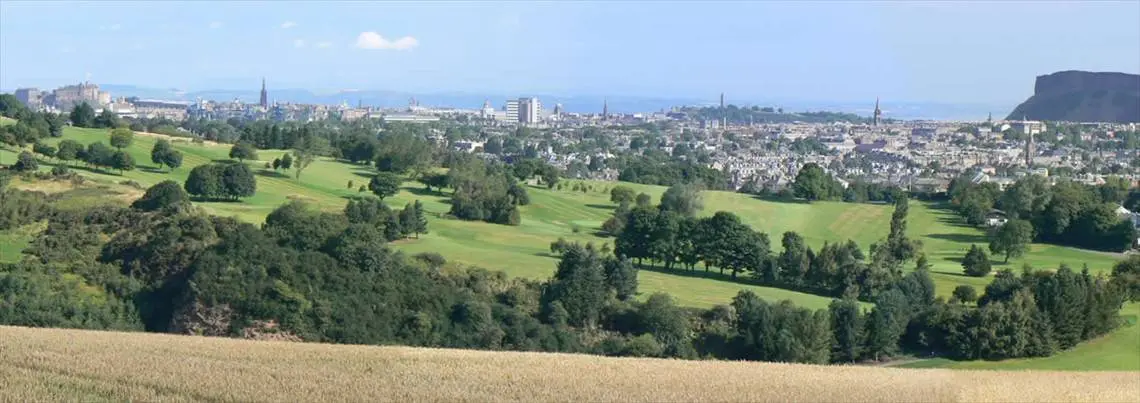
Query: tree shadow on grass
(421, 191)
(364, 174)
(774, 199)
(200, 199)
(953, 221)
(272, 174)
(962, 238)
(956, 274)
(602, 206)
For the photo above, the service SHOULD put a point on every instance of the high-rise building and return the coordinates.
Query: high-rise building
(529, 110)
(513, 110)
(264, 102)
(605, 109)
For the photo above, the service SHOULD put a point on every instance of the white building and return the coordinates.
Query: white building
(530, 110)
(512, 111)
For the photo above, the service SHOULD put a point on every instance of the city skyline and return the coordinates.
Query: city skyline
(753, 51)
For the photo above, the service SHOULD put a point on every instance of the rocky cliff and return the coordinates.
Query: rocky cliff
(1081, 96)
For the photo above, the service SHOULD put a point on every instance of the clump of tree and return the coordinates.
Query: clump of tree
(385, 184)
(26, 162)
(1011, 239)
(82, 115)
(652, 169)
(243, 151)
(976, 263)
(122, 138)
(1066, 213)
(221, 182)
(813, 183)
(483, 191)
(164, 154)
(165, 194)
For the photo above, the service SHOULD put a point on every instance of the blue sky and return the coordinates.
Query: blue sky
(835, 51)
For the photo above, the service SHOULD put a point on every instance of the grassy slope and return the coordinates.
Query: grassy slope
(523, 251)
(59, 364)
(1117, 351)
(13, 242)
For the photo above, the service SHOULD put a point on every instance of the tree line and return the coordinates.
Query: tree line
(163, 265)
(1064, 213)
(672, 235)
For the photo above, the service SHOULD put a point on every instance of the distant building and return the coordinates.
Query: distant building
(31, 97)
(67, 97)
(513, 110)
(1027, 126)
(264, 95)
(878, 113)
(530, 110)
(488, 111)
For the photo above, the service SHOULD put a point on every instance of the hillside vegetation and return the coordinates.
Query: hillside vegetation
(523, 251)
(54, 364)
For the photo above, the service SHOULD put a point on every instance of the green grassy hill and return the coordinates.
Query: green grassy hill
(523, 251)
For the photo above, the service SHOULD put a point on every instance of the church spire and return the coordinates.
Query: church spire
(878, 112)
(264, 102)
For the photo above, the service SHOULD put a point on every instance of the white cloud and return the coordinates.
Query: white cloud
(288, 24)
(116, 27)
(372, 40)
(215, 25)
(66, 49)
(324, 45)
(298, 43)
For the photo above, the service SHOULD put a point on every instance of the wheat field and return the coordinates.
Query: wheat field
(57, 364)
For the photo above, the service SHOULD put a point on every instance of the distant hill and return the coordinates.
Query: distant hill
(1082, 96)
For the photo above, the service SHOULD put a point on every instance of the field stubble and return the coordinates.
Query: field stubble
(56, 364)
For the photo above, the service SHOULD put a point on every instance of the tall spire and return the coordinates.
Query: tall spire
(264, 102)
(723, 113)
(605, 108)
(878, 112)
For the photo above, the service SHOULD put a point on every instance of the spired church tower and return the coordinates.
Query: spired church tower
(878, 112)
(264, 95)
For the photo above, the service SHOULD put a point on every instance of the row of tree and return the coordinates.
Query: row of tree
(672, 235)
(164, 266)
(1066, 213)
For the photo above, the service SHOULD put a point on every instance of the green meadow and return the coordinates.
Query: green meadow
(523, 251)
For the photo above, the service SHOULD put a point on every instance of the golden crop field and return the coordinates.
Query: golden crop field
(57, 364)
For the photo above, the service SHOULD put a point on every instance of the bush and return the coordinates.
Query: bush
(965, 294)
(976, 263)
(164, 194)
(26, 162)
(60, 171)
(432, 259)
